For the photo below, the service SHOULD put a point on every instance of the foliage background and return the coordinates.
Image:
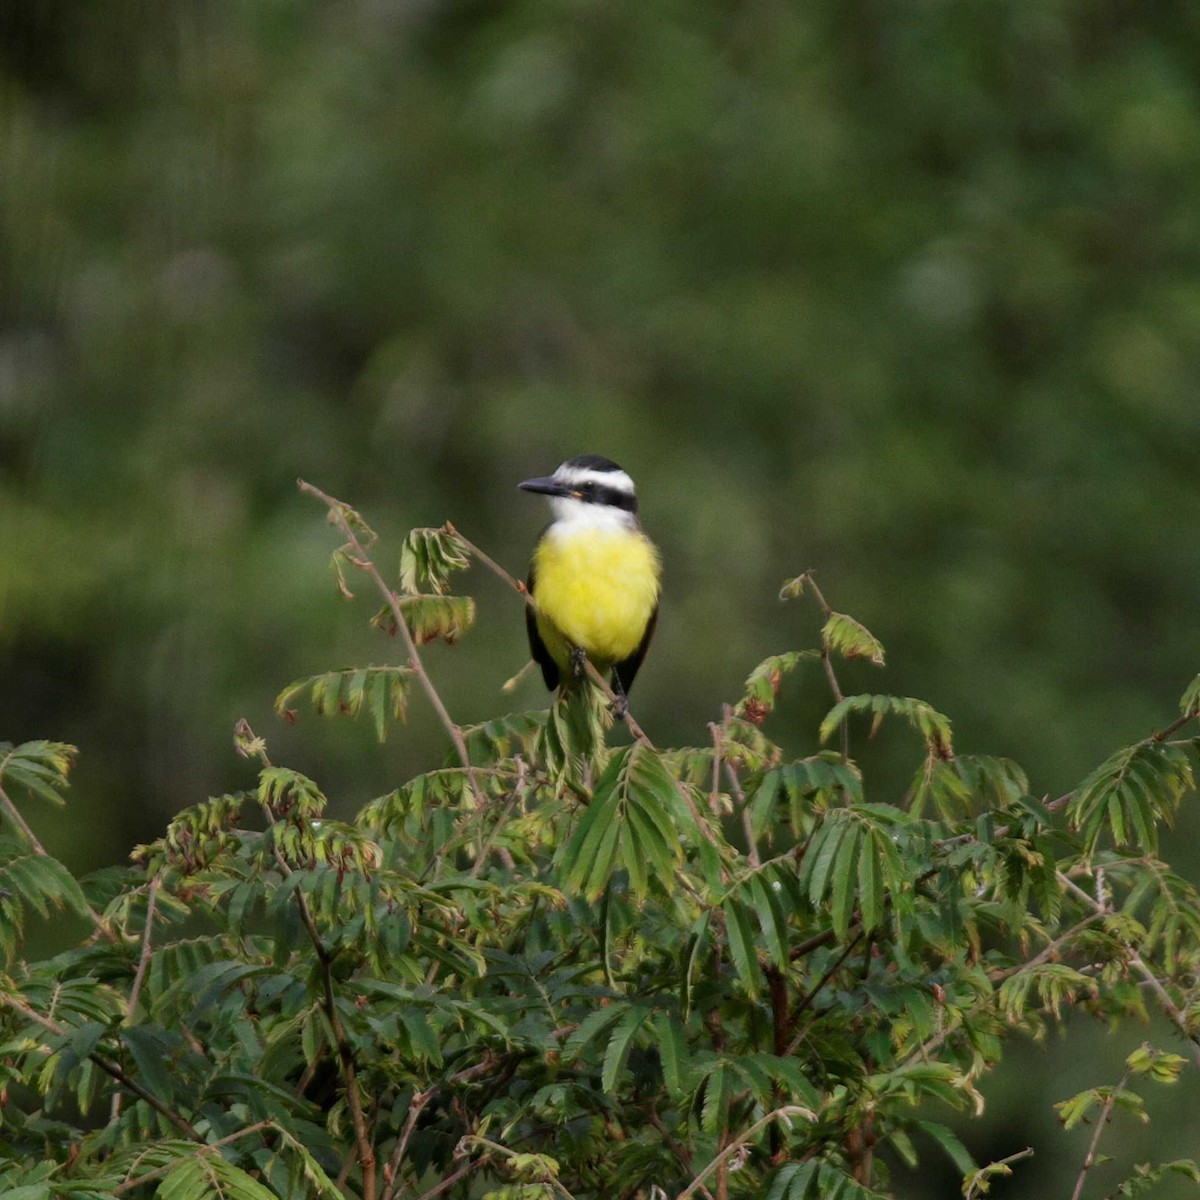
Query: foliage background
(907, 294)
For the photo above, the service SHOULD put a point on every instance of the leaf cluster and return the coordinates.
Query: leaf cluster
(555, 966)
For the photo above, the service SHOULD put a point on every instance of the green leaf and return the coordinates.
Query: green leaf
(673, 1053)
(955, 1151)
(428, 617)
(741, 946)
(151, 1048)
(39, 768)
(870, 882)
(1160, 1065)
(1131, 792)
(816, 869)
(939, 783)
(210, 1177)
(932, 725)
(1147, 1176)
(382, 691)
(590, 1029)
(628, 823)
(764, 892)
(430, 556)
(715, 1112)
(850, 639)
(764, 682)
(617, 1053)
(319, 1185)
(38, 879)
(843, 878)
(697, 942)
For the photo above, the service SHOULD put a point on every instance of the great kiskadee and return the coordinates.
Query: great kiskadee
(594, 576)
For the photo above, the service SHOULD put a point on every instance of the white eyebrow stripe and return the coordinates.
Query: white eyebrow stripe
(575, 477)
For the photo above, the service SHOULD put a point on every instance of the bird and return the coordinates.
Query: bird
(595, 577)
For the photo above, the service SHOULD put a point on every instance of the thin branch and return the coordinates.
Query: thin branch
(1177, 724)
(635, 729)
(491, 564)
(778, 1114)
(1175, 1014)
(1102, 1120)
(1050, 951)
(494, 832)
(207, 1148)
(337, 514)
(140, 974)
(495, 1148)
(827, 663)
(391, 1172)
(420, 1102)
(14, 815)
(365, 1150)
(815, 989)
(979, 1184)
(109, 1068)
(144, 958)
(677, 1148)
(451, 1180)
(735, 787)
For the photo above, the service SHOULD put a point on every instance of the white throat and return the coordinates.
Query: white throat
(577, 516)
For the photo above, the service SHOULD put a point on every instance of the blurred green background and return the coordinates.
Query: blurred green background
(909, 294)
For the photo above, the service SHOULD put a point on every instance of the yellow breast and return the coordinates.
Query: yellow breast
(595, 589)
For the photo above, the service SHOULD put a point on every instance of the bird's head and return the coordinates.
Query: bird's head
(589, 490)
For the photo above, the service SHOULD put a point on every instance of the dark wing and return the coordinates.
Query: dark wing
(627, 669)
(537, 647)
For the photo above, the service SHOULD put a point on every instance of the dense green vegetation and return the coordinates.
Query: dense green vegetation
(552, 969)
(905, 294)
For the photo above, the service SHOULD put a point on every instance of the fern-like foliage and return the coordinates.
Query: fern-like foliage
(563, 961)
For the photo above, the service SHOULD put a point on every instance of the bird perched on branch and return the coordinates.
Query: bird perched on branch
(594, 576)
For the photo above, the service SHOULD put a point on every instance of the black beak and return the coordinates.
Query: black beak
(547, 485)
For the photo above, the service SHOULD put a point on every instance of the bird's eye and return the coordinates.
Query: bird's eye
(587, 489)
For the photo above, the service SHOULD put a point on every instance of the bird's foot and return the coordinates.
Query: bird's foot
(620, 702)
(578, 661)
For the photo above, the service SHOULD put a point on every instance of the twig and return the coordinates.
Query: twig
(144, 958)
(140, 974)
(1102, 1120)
(1051, 950)
(109, 1068)
(739, 798)
(491, 564)
(495, 1148)
(365, 1150)
(337, 513)
(451, 1180)
(812, 993)
(207, 1148)
(392, 1170)
(778, 1114)
(676, 1148)
(827, 663)
(494, 832)
(418, 1105)
(979, 1184)
(14, 815)
(1178, 723)
(1173, 1011)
